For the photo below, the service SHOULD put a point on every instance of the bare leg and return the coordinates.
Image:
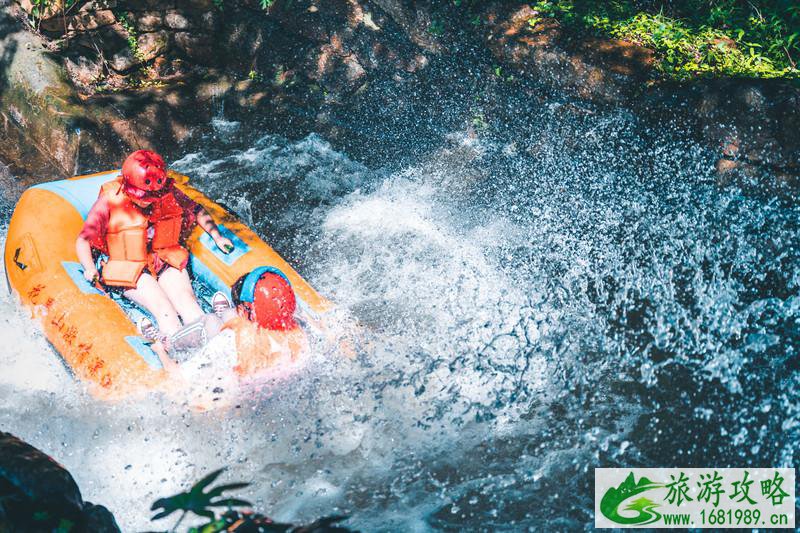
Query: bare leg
(213, 325)
(150, 295)
(178, 288)
(161, 351)
(228, 314)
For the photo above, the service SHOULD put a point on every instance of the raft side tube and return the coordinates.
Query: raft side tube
(87, 328)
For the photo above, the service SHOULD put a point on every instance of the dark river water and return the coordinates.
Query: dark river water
(536, 301)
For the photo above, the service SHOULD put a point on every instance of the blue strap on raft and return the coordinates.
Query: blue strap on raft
(249, 286)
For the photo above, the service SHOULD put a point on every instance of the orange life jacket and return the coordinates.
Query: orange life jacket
(126, 236)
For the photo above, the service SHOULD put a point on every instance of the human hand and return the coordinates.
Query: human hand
(347, 348)
(91, 275)
(224, 244)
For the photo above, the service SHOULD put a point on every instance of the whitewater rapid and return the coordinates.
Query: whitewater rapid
(531, 307)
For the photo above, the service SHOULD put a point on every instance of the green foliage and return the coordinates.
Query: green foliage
(467, 7)
(479, 121)
(266, 4)
(199, 501)
(219, 4)
(282, 77)
(61, 526)
(64, 526)
(254, 522)
(130, 29)
(19, 516)
(255, 76)
(39, 8)
(202, 500)
(18, 513)
(498, 72)
(692, 37)
(436, 27)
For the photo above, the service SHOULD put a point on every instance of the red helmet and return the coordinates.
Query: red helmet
(273, 303)
(144, 174)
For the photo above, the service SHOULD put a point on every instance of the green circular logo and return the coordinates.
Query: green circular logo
(643, 507)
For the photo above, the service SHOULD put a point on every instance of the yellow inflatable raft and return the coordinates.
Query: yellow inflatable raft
(95, 332)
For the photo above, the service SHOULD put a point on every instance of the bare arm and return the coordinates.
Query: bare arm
(94, 229)
(84, 251)
(205, 221)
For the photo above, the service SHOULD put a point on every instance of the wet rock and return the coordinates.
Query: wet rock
(201, 5)
(36, 111)
(762, 118)
(83, 21)
(316, 24)
(108, 39)
(170, 70)
(145, 5)
(413, 19)
(46, 10)
(176, 20)
(149, 21)
(754, 122)
(417, 63)
(48, 129)
(338, 69)
(195, 47)
(83, 69)
(98, 519)
(151, 45)
(354, 74)
(123, 60)
(97, 5)
(749, 123)
(601, 70)
(38, 493)
(36, 477)
(209, 21)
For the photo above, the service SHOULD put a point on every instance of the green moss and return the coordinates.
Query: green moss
(129, 28)
(693, 38)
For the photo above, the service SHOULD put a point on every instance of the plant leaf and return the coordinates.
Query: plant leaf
(218, 490)
(206, 481)
(163, 514)
(206, 514)
(231, 502)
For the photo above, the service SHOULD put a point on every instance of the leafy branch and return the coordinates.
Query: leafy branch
(202, 500)
(196, 500)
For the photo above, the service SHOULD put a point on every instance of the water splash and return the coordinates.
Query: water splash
(534, 304)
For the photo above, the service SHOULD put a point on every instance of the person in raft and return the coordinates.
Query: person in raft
(140, 221)
(262, 318)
